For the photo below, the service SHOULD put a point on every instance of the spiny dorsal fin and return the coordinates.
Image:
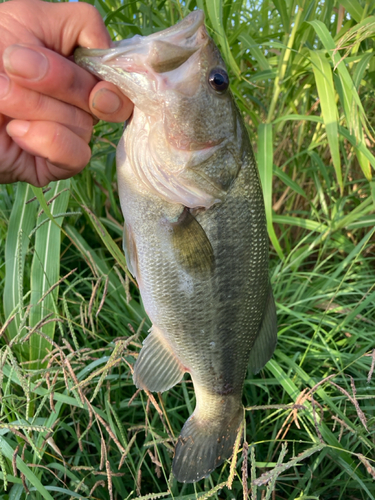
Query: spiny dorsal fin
(192, 246)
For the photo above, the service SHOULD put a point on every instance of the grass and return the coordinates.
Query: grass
(72, 424)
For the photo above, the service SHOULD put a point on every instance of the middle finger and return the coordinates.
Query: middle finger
(24, 104)
(49, 73)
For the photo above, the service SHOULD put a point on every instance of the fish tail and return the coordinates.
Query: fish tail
(204, 445)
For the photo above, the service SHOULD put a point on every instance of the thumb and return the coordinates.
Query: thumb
(63, 26)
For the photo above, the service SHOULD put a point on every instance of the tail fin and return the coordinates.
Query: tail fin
(203, 446)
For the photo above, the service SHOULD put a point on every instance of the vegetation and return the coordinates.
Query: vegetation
(72, 424)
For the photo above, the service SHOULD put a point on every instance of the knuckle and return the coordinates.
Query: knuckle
(67, 148)
(70, 78)
(38, 104)
(91, 12)
(86, 155)
(83, 123)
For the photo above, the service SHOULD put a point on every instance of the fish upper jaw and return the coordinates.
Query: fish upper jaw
(143, 67)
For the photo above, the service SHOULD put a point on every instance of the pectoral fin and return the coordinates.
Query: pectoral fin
(157, 368)
(266, 340)
(129, 248)
(192, 246)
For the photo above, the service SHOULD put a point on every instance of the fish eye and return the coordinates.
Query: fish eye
(218, 79)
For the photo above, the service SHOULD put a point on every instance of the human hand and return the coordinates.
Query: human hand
(46, 100)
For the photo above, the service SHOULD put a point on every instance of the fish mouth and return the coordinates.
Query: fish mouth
(142, 65)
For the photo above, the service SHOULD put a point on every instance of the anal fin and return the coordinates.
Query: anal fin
(266, 341)
(157, 368)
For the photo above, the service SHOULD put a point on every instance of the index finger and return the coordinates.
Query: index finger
(49, 73)
(53, 75)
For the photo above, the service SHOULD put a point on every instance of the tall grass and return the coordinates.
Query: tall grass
(72, 424)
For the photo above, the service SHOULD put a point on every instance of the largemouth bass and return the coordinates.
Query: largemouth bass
(195, 233)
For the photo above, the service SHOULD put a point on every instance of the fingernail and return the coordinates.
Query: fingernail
(4, 86)
(106, 102)
(25, 62)
(17, 128)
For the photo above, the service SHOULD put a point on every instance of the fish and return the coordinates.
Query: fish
(195, 235)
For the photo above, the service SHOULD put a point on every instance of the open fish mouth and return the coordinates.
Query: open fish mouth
(146, 56)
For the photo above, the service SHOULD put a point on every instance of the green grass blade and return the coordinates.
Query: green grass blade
(265, 166)
(361, 68)
(45, 269)
(294, 117)
(43, 202)
(115, 251)
(324, 81)
(101, 268)
(331, 48)
(282, 9)
(8, 452)
(17, 489)
(215, 12)
(21, 223)
(311, 225)
(250, 44)
(63, 491)
(357, 144)
(347, 89)
(288, 181)
(354, 8)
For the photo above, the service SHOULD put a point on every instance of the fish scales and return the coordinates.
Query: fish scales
(206, 311)
(195, 232)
